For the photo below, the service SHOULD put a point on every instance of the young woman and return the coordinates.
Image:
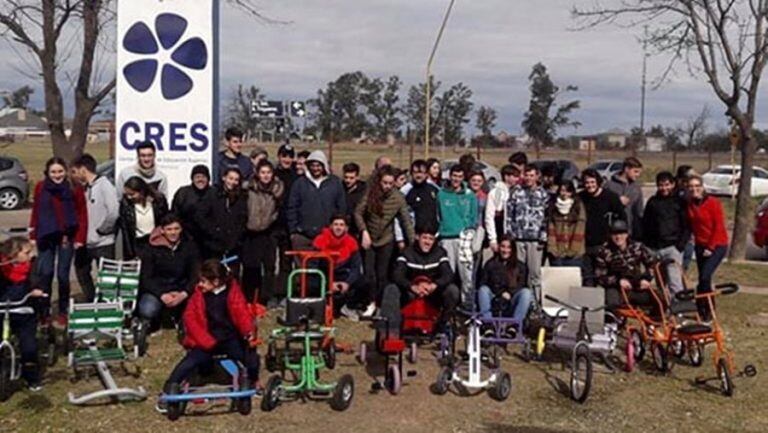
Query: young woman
(707, 221)
(221, 216)
(500, 285)
(375, 217)
(435, 172)
(477, 186)
(565, 231)
(265, 196)
(59, 225)
(141, 209)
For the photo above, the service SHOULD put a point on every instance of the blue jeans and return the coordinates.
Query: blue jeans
(688, 255)
(707, 267)
(198, 359)
(517, 307)
(48, 251)
(150, 307)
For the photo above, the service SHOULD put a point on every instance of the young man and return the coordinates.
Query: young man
(347, 273)
(421, 196)
(354, 189)
(602, 208)
(622, 263)
(187, 199)
(169, 269)
(519, 160)
(286, 172)
(527, 223)
(458, 218)
(103, 210)
(665, 228)
(496, 206)
(232, 155)
(145, 169)
(314, 199)
(301, 162)
(626, 184)
(423, 271)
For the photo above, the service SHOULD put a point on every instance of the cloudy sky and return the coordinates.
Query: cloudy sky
(489, 44)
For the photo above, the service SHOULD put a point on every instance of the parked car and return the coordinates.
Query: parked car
(607, 167)
(491, 173)
(107, 169)
(14, 183)
(564, 169)
(724, 180)
(760, 234)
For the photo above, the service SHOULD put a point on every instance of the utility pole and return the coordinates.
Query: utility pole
(642, 91)
(428, 95)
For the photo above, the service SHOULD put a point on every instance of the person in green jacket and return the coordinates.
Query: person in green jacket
(457, 207)
(375, 217)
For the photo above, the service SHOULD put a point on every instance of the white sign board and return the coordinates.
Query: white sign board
(167, 84)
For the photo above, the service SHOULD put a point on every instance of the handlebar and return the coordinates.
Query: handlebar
(227, 260)
(20, 302)
(720, 289)
(574, 307)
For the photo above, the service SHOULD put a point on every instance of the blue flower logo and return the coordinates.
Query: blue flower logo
(169, 28)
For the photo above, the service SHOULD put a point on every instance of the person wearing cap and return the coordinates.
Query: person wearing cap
(313, 200)
(625, 264)
(187, 199)
(285, 169)
(232, 156)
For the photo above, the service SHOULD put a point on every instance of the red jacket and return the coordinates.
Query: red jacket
(81, 213)
(196, 322)
(708, 223)
(346, 246)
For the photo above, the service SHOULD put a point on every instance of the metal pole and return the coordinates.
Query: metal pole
(642, 91)
(428, 95)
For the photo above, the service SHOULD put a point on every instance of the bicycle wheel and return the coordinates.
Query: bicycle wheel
(581, 373)
(5, 375)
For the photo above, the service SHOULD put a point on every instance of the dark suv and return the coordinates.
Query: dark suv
(14, 183)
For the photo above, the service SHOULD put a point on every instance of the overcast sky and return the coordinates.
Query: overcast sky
(489, 44)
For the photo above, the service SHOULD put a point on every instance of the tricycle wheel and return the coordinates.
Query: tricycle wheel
(413, 352)
(629, 367)
(140, 332)
(726, 384)
(440, 387)
(330, 354)
(581, 374)
(393, 381)
(502, 387)
(678, 349)
(636, 340)
(270, 359)
(271, 398)
(244, 405)
(362, 352)
(343, 393)
(660, 356)
(174, 409)
(696, 354)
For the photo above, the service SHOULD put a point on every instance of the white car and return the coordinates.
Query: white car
(724, 180)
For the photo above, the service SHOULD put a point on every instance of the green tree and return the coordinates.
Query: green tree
(486, 121)
(539, 122)
(381, 99)
(415, 108)
(453, 109)
(342, 107)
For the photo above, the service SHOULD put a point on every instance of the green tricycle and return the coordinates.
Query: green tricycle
(299, 349)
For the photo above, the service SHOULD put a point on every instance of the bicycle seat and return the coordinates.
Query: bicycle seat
(694, 329)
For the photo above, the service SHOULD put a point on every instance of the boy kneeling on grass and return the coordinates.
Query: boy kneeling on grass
(217, 321)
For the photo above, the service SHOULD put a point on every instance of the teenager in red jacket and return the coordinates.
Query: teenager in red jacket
(59, 225)
(705, 214)
(217, 320)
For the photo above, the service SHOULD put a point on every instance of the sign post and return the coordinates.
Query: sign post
(167, 84)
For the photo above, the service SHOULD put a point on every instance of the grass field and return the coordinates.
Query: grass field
(640, 401)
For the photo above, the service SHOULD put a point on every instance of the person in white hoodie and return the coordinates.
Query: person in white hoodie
(497, 203)
(103, 210)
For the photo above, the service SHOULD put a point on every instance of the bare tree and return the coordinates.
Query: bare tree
(62, 34)
(726, 41)
(695, 129)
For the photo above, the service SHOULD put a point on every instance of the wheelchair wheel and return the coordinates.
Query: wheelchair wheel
(271, 398)
(724, 373)
(175, 409)
(660, 356)
(502, 388)
(270, 359)
(443, 382)
(343, 393)
(5, 375)
(581, 374)
(696, 354)
(393, 382)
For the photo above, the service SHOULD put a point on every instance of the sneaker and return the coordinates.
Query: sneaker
(350, 313)
(370, 310)
(61, 321)
(35, 387)
(161, 406)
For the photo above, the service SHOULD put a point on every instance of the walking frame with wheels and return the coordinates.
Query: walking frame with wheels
(304, 326)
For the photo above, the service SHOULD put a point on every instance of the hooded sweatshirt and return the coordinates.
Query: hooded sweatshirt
(312, 202)
(168, 268)
(458, 211)
(495, 207)
(103, 211)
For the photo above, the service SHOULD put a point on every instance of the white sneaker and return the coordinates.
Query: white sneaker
(350, 313)
(370, 310)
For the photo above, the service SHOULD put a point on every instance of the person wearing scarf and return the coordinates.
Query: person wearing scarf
(59, 225)
(565, 231)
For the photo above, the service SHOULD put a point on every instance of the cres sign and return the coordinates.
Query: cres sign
(167, 84)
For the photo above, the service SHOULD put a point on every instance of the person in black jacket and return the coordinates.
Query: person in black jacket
(354, 189)
(286, 172)
(500, 285)
(665, 228)
(168, 271)
(421, 196)
(141, 209)
(313, 200)
(423, 271)
(602, 207)
(221, 216)
(187, 198)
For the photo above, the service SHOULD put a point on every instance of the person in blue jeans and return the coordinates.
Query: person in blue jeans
(500, 292)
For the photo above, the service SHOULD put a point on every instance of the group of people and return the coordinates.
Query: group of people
(395, 237)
